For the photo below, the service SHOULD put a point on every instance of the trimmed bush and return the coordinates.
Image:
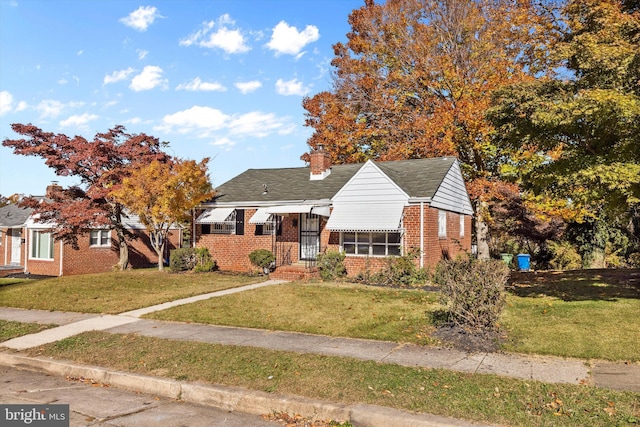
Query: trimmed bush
(262, 258)
(564, 256)
(182, 259)
(331, 264)
(204, 262)
(473, 291)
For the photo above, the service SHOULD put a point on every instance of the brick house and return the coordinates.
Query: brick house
(368, 211)
(27, 246)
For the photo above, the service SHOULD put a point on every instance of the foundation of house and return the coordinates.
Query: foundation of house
(295, 272)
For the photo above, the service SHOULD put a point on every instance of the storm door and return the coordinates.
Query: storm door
(309, 236)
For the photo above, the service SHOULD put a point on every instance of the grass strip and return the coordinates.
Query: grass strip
(10, 329)
(115, 292)
(476, 397)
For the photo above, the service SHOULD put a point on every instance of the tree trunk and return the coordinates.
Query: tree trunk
(161, 256)
(482, 232)
(123, 262)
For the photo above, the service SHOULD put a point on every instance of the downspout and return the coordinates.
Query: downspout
(193, 227)
(421, 234)
(61, 256)
(26, 250)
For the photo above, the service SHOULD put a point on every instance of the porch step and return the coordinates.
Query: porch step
(295, 272)
(7, 270)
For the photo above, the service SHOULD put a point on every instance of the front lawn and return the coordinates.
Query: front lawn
(10, 329)
(115, 292)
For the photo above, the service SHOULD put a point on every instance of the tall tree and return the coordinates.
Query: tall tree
(162, 194)
(589, 116)
(415, 77)
(100, 164)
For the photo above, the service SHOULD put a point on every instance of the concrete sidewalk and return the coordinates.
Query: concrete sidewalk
(619, 376)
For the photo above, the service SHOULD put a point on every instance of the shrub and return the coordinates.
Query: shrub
(262, 258)
(564, 256)
(634, 260)
(331, 264)
(183, 259)
(204, 262)
(191, 259)
(400, 271)
(473, 291)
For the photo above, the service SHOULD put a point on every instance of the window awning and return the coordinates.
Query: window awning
(260, 217)
(366, 217)
(285, 209)
(214, 215)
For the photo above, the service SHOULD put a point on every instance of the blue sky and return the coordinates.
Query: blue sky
(215, 78)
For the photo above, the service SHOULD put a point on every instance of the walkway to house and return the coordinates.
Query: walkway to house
(619, 376)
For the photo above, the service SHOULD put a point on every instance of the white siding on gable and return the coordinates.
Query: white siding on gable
(370, 185)
(370, 201)
(452, 194)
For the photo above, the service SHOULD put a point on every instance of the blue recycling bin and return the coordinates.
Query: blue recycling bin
(524, 262)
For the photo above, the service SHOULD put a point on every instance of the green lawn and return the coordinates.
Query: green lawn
(114, 292)
(10, 329)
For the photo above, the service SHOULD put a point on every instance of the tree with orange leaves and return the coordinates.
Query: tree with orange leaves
(415, 78)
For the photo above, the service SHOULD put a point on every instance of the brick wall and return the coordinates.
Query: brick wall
(435, 248)
(87, 259)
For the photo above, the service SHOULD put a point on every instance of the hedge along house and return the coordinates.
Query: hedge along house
(28, 246)
(368, 211)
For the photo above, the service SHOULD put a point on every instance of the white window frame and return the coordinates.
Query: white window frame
(228, 226)
(102, 238)
(462, 230)
(364, 243)
(442, 224)
(36, 242)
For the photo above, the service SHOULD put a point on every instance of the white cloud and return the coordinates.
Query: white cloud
(149, 78)
(247, 87)
(142, 53)
(117, 76)
(198, 85)
(286, 39)
(63, 81)
(6, 102)
(225, 38)
(291, 87)
(195, 118)
(78, 120)
(224, 142)
(52, 108)
(22, 106)
(255, 124)
(80, 52)
(141, 18)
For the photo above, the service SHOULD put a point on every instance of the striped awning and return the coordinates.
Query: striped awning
(211, 216)
(382, 217)
(287, 209)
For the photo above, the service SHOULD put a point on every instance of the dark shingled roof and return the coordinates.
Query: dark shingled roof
(418, 178)
(13, 216)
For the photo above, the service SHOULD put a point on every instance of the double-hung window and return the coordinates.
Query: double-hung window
(442, 224)
(100, 238)
(372, 244)
(41, 245)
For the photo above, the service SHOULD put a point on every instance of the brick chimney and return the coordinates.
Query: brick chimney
(320, 163)
(52, 189)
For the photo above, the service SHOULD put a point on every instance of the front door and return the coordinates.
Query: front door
(16, 246)
(309, 236)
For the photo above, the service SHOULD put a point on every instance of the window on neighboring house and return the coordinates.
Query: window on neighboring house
(461, 225)
(233, 224)
(372, 244)
(442, 224)
(100, 238)
(41, 245)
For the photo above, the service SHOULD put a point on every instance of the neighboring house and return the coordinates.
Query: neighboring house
(28, 246)
(369, 211)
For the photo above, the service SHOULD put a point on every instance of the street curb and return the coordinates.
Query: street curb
(235, 398)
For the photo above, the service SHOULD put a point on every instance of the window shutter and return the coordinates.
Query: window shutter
(240, 222)
(259, 229)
